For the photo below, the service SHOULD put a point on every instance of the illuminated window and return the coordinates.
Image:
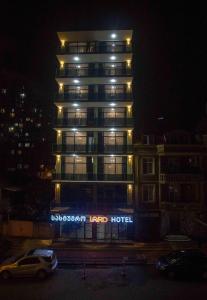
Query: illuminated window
(26, 134)
(11, 129)
(76, 138)
(75, 165)
(113, 138)
(12, 151)
(19, 152)
(76, 113)
(118, 113)
(27, 145)
(112, 165)
(2, 110)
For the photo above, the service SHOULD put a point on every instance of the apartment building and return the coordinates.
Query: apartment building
(93, 180)
(170, 185)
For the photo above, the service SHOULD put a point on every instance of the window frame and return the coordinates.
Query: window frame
(153, 193)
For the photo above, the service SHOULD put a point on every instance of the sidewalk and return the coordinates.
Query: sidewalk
(103, 253)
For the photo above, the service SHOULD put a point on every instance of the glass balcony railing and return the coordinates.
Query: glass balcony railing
(86, 205)
(93, 177)
(65, 97)
(87, 72)
(94, 122)
(100, 148)
(95, 47)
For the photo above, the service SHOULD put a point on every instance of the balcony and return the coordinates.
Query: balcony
(88, 72)
(65, 97)
(107, 149)
(185, 177)
(60, 123)
(93, 177)
(95, 47)
(86, 205)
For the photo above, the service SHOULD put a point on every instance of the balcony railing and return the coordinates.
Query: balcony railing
(70, 96)
(63, 122)
(87, 72)
(180, 177)
(86, 205)
(108, 149)
(96, 47)
(93, 177)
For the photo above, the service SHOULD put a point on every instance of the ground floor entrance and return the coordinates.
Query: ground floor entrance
(94, 228)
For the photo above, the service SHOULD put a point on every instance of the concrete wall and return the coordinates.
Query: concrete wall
(28, 229)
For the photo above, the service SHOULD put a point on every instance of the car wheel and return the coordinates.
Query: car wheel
(6, 275)
(41, 274)
(171, 274)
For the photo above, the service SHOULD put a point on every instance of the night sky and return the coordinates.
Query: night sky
(169, 53)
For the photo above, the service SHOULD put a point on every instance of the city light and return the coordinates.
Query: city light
(112, 80)
(112, 57)
(74, 129)
(76, 58)
(112, 104)
(113, 35)
(76, 81)
(75, 104)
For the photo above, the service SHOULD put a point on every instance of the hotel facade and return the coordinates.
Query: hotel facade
(93, 180)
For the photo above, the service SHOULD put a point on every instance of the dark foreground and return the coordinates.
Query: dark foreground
(140, 282)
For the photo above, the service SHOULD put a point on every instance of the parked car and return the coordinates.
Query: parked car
(38, 263)
(184, 263)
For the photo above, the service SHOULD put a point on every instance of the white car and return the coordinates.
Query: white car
(37, 262)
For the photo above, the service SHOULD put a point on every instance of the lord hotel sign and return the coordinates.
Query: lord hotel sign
(91, 218)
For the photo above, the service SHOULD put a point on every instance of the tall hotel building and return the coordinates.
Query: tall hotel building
(93, 181)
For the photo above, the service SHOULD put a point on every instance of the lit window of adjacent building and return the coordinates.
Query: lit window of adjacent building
(26, 134)
(39, 125)
(148, 165)
(19, 152)
(19, 145)
(27, 119)
(26, 166)
(148, 192)
(2, 110)
(19, 166)
(3, 91)
(11, 129)
(27, 145)
(42, 166)
(12, 151)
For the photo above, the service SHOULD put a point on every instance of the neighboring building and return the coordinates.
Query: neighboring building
(93, 182)
(24, 132)
(170, 184)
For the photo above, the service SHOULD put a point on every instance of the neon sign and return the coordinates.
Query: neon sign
(91, 218)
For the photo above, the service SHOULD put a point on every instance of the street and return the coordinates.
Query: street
(140, 282)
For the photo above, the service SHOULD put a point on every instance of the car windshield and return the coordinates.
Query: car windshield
(48, 259)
